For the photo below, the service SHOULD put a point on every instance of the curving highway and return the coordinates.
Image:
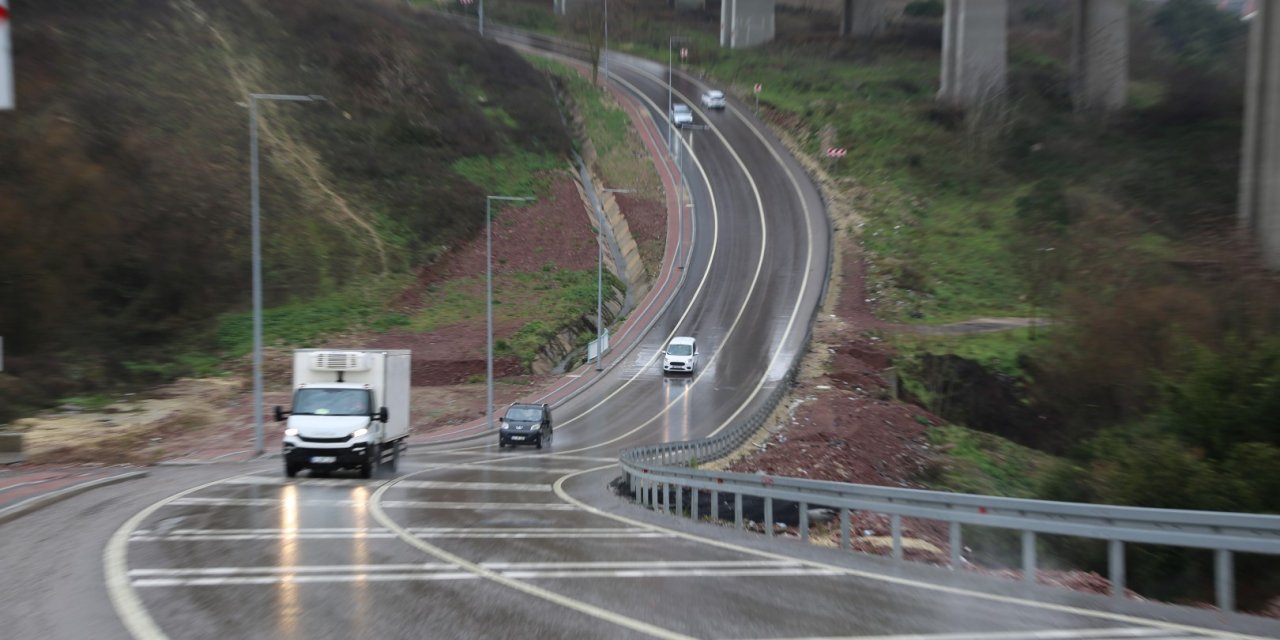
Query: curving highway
(469, 541)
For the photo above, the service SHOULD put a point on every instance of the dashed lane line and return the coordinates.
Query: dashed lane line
(904, 582)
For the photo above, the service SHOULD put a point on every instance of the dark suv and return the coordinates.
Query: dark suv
(525, 424)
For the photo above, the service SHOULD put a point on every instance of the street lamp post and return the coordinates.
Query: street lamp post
(488, 287)
(256, 235)
(600, 278)
(481, 18)
(605, 57)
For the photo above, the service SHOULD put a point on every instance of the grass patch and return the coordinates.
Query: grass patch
(998, 351)
(980, 463)
(299, 323)
(516, 174)
(544, 302)
(90, 402)
(609, 129)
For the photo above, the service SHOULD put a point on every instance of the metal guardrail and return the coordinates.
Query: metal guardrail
(656, 471)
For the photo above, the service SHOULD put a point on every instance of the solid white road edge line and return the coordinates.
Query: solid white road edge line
(596, 612)
(906, 582)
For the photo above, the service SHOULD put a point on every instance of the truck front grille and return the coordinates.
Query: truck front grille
(325, 440)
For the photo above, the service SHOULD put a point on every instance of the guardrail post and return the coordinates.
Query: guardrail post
(737, 510)
(1224, 579)
(679, 500)
(846, 542)
(1029, 556)
(895, 526)
(664, 500)
(1115, 567)
(804, 521)
(957, 546)
(635, 490)
(693, 503)
(715, 505)
(653, 495)
(768, 517)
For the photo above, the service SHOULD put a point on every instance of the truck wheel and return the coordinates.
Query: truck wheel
(290, 470)
(539, 442)
(370, 464)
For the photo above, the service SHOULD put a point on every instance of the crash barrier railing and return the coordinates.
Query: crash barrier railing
(655, 472)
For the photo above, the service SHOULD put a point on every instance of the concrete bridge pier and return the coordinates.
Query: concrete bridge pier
(1100, 55)
(746, 23)
(1260, 161)
(974, 52)
(863, 18)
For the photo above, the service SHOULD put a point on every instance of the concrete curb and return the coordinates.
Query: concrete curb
(34, 503)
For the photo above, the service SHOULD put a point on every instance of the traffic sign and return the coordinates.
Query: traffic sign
(836, 152)
(6, 59)
(759, 87)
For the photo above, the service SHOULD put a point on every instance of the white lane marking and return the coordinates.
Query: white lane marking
(387, 535)
(640, 564)
(303, 579)
(401, 504)
(315, 568)
(556, 456)
(363, 530)
(715, 240)
(411, 575)
(442, 566)
(375, 509)
(1052, 634)
(878, 577)
(115, 562)
(475, 486)
(496, 467)
(479, 506)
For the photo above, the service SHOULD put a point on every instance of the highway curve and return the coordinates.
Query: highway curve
(470, 541)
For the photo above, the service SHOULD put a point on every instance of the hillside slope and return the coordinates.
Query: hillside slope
(124, 174)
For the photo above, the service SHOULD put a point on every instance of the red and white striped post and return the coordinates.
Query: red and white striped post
(6, 59)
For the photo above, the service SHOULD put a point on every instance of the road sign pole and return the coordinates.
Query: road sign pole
(6, 60)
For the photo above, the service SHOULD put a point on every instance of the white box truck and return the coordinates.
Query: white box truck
(350, 410)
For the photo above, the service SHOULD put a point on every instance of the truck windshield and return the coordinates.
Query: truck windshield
(680, 350)
(331, 402)
(524, 413)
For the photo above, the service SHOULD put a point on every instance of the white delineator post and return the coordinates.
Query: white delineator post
(6, 59)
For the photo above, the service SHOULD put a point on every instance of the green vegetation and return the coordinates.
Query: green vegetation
(544, 301)
(615, 141)
(981, 463)
(358, 305)
(997, 351)
(124, 201)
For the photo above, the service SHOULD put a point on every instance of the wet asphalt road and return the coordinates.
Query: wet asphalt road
(470, 541)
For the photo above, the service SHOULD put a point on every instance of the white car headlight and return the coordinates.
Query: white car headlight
(505, 426)
(290, 432)
(359, 432)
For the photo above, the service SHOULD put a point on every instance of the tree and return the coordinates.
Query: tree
(586, 18)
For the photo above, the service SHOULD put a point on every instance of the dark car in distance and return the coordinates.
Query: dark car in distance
(525, 424)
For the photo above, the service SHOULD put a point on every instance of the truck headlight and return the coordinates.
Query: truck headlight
(290, 432)
(359, 432)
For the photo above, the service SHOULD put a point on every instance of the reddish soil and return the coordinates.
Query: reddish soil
(848, 428)
(558, 224)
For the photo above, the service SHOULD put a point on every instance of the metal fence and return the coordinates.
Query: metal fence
(657, 472)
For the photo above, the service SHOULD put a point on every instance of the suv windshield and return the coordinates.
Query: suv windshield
(680, 108)
(331, 402)
(680, 350)
(525, 413)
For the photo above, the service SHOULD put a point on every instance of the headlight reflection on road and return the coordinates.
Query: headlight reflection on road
(360, 558)
(288, 609)
(678, 428)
